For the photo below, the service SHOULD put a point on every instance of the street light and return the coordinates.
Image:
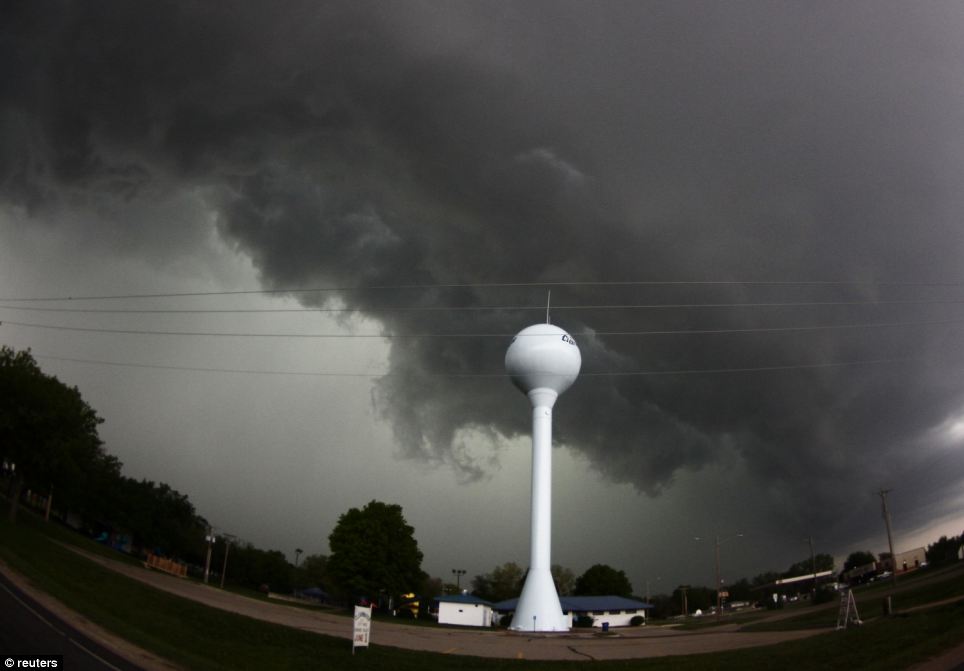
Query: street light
(458, 572)
(719, 598)
(298, 552)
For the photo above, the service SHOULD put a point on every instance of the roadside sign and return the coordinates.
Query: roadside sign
(362, 627)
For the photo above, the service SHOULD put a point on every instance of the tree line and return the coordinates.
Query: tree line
(49, 444)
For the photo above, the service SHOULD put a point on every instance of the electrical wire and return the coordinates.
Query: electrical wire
(489, 285)
(663, 332)
(479, 308)
(591, 374)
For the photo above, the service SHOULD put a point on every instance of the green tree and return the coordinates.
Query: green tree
(741, 590)
(603, 580)
(823, 562)
(697, 598)
(373, 550)
(159, 518)
(944, 551)
(313, 571)
(564, 579)
(766, 578)
(253, 567)
(47, 431)
(504, 582)
(859, 558)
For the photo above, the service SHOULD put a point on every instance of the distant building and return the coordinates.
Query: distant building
(464, 609)
(906, 561)
(787, 587)
(617, 611)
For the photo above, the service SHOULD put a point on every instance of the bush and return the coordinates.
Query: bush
(584, 621)
(637, 620)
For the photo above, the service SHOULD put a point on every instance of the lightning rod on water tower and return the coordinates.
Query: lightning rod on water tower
(543, 361)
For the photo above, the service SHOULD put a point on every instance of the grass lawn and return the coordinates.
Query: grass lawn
(917, 590)
(199, 637)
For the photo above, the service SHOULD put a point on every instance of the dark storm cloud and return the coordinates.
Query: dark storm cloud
(382, 144)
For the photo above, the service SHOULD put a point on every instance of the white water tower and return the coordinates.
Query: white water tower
(543, 361)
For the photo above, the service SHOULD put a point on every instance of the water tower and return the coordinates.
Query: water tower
(543, 361)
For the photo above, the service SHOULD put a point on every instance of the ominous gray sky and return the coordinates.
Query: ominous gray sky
(749, 215)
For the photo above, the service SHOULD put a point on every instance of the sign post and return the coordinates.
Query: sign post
(362, 627)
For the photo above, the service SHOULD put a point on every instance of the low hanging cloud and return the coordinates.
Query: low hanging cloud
(461, 146)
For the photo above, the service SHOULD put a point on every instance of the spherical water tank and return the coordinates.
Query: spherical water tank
(543, 356)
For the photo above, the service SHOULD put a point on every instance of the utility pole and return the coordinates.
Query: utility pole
(224, 568)
(648, 600)
(890, 539)
(716, 555)
(207, 560)
(683, 588)
(813, 569)
(719, 598)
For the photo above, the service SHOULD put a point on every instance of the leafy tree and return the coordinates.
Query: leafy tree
(47, 430)
(944, 550)
(601, 580)
(766, 578)
(253, 567)
(859, 558)
(313, 571)
(160, 519)
(741, 590)
(504, 582)
(431, 588)
(564, 579)
(374, 550)
(697, 598)
(823, 562)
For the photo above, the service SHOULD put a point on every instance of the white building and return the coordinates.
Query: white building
(614, 611)
(617, 611)
(464, 609)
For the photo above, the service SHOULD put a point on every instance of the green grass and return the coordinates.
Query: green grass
(913, 590)
(198, 637)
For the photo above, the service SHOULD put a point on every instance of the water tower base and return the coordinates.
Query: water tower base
(539, 608)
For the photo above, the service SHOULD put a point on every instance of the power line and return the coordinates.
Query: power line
(489, 285)
(590, 374)
(661, 332)
(479, 308)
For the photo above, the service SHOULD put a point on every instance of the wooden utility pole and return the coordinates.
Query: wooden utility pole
(890, 539)
(813, 569)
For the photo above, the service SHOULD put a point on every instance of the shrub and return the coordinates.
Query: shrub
(637, 620)
(584, 621)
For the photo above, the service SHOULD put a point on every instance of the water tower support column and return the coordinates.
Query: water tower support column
(539, 608)
(541, 539)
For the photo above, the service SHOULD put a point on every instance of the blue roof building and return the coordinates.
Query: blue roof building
(617, 611)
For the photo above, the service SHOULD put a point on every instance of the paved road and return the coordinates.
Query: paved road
(29, 628)
(635, 642)
(638, 642)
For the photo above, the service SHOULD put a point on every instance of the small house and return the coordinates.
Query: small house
(466, 610)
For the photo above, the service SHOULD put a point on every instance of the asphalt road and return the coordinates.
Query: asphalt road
(28, 628)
